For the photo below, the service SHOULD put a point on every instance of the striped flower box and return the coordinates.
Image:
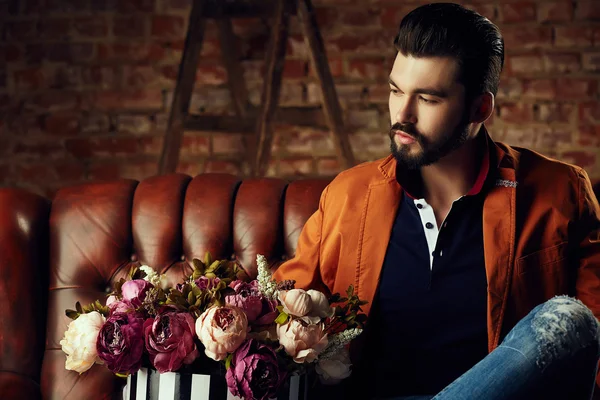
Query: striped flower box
(148, 384)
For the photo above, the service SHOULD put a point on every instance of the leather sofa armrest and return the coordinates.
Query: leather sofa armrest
(23, 291)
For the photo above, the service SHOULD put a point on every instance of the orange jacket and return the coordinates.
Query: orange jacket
(541, 238)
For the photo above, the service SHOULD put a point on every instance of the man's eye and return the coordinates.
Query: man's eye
(424, 100)
(392, 90)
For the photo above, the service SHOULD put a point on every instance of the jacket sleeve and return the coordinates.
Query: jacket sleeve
(304, 268)
(588, 232)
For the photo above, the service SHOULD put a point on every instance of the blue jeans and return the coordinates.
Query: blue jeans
(552, 353)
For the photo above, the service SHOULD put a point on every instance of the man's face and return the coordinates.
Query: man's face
(427, 110)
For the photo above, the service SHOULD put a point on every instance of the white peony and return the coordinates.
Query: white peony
(335, 368)
(79, 342)
(158, 280)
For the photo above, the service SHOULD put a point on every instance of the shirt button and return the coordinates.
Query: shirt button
(419, 206)
(429, 225)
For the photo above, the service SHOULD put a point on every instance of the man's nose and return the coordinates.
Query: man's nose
(406, 113)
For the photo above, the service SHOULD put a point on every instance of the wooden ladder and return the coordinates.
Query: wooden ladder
(259, 145)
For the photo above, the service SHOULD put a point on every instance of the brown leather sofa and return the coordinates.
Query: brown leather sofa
(88, 237)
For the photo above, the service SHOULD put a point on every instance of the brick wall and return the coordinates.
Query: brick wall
(85, 86)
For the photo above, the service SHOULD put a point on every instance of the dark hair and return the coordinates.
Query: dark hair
(450, 30)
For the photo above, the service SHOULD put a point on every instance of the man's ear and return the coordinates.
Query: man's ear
(482, 108)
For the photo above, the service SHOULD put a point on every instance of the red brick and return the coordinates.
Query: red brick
(509, 88)
(211, 74)
(296, 167)
(297, 47)
(39, 148)
(130, 6)
(140, 76)
(576, 88)
(92, 122)
(524, 136)
(328, 167)
(373, 144)
(230, 144)
(587, 10)
(20, 30)
(26, 125)
(553, 138)
(254, 70)
(248, 27)
(487, 10)
(518, 12)
(562, 62)
(361, 17)
(295, 69)
(61, 52)
(365, 43)
(336, 67)
(65, 76)
(527, 37)
(191, 168)
(589, 112)
(113, 146)
(295, 140)
(363, 119)
(391, 16)
(589, 135)
(4, 103)
(5, 173)
(65, 7)
(138, 52)
(580, 158)
(103, 5)
(517, 113)
(556, 11)
(195, 144)
(210, 48)
(101, 77)
(544, 89)
(368, 69)
(62, 124)
(130, 169)
(596, 37)
(30, 79)
(524, 64)
(137, 100)
(50, 172)
(591, 61)
(10, 53)
(53, 101)
(229, 167)
(168, 26)
(56, 28)
(554, 112)
(177, 5)
(327, 18)
(134, 124)
(92, 27)
(570, 36)
(130, 27)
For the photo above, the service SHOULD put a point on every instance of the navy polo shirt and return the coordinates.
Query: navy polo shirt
(428, 323)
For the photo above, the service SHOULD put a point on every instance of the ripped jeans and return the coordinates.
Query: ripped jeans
(552, 353)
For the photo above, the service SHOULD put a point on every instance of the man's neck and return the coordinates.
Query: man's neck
(454, 175)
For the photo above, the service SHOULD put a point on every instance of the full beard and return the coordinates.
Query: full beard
(431, 151)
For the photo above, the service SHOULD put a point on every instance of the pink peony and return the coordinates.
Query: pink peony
(247, 296)
(221, 330)
(302, 341)
(295, 302)
(135, 291)
(310, 305)
(118, 306)
(254, 372)
(170, 340)
(120, 343)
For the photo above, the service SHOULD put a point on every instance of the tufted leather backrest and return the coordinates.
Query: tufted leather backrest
(99, 230)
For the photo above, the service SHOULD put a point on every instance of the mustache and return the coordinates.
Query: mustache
(406, 128)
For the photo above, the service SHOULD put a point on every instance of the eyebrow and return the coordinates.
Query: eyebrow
(429, 91)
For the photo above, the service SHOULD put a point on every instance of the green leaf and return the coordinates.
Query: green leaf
(122, 375)
(281, 318)
(72, 314)
(228, 361)
(78, 308)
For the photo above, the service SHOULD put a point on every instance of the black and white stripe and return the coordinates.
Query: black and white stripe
(148, 384)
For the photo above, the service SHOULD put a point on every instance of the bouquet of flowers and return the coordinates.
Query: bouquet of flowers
(261, 330)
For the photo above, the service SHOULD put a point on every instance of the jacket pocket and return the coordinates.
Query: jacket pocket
(542, 259)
